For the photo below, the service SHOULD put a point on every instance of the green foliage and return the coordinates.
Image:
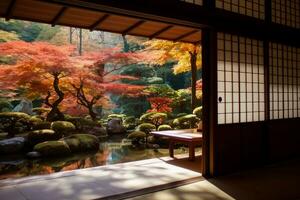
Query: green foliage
(8, 36)
(137, 135)
(119, 116)
(130, 122)
(161, 90)
(198, 112)
(146, 127)
(14, 122)
(156, 118)
(41, 110)
(63, 127)
(81, 123)
(53, 148)
(41, 125)
(187, 121)
(5, 106)
(38, 136)
(82, 142)
(164, 127)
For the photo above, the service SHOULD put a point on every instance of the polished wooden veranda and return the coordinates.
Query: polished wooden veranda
(55, 13)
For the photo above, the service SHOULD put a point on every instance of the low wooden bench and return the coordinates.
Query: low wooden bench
(189, 136)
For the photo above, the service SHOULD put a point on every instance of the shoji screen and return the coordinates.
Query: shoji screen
(284, 81)
(240, 79)
(286, 12)
(252, 8)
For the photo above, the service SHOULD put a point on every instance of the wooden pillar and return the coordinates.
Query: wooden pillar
(209, 81)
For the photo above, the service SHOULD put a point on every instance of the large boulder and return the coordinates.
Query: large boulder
(24, 106)
(53, 148)
(115, 126)
(64, 128)
(82, 142)
(38, 136)
(12, 145)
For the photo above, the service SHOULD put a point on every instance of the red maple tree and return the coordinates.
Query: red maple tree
(160, 104)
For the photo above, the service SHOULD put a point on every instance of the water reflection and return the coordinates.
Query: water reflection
(115, 150)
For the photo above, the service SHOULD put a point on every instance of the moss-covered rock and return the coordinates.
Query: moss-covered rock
(64, 128)
(52, 148)
(164, 127)
(146, 127)
(198, 112)
(82, 142)
(38, 136)
(130, 122)
(41, 111)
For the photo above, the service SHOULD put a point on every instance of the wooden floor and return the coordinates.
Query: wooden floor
(274, 182)
(117, 181)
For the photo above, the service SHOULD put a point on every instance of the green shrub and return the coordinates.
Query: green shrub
(137, 135)
(41, 111)
(187, 121)
(14, 122)
(156, 118)
(82, 142)
(41, 125)
(146, 127)
(198, 112)
(64, 128)
(120, 116)
(82, 123)
(38, 136)
(52, 148)
(130, 122)
(5, 106)
(164, 127)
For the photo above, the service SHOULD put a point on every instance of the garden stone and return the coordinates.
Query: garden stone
(12, 145)
(52, 148)
(114, 126)
(82, 142)
(24, 106)
(33, 154)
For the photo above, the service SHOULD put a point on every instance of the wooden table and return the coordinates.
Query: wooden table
(188, 136)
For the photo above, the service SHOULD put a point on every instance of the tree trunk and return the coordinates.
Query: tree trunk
(92, 113)
(55, 113)
(193, 60)
(125, 44)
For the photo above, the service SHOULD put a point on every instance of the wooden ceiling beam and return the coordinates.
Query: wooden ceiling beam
(161, 31)
(186, 35)
(58, 16)
(132, 27)
(98, 22)
(10, 10)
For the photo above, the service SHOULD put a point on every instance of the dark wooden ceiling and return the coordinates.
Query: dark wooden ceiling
(56, 14)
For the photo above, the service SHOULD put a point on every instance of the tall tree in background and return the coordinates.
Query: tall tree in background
(39, 71)
(188, 57)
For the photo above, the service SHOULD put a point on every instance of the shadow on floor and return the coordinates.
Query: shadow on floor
(195, 165)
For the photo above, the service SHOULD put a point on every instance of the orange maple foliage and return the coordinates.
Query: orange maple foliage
(160, 104)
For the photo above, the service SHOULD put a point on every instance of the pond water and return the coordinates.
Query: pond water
(114, 150)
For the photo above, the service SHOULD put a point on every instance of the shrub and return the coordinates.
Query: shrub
(130, 122)
(187, 121)
(64, 128)
(120, 116)
(82, 123)
(38, 136)
(156, 118)
(14, 122)
(41, 125)
(5, 106)
(82, 142)
(146, 127)
(137, 135)
(198, 112)
(53, 148)
(164, 127)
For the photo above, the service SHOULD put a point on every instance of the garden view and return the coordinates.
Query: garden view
(71, 98)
